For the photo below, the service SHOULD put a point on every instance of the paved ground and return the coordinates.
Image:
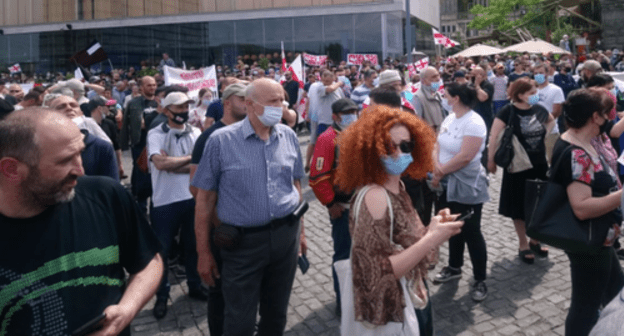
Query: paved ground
(523, 299)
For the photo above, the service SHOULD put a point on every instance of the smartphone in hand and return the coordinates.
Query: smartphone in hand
(91, 326)
(465, 215)
(304, 264)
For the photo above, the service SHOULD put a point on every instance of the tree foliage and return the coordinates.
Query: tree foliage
(500, 14)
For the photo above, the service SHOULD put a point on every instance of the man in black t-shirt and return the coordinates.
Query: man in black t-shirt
(485, 91)
(233, 111)
(66, 239)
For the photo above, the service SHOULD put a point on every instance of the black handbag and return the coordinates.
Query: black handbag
(550, 219)
(505, 153)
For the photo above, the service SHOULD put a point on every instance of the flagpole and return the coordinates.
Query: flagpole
(111, 64)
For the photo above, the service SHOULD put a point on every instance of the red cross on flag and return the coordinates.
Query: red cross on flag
(422, 64)
(443, 40)
(15, 69)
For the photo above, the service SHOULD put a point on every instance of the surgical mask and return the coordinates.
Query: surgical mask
(435, 86)
(534, 99)
(346, 120)
(206, 102)
(540, 78)
(397, 166)
(180, 118)
(272, 115)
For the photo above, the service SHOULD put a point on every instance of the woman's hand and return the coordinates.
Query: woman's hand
(443, 226)
(491, 166)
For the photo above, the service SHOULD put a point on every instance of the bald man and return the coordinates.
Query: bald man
(427, 101)
(254, 168)
(139, 114)
(86, 232)
(16, 92)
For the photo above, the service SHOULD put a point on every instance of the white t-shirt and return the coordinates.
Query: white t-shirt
(170, 187)
(550, 95)
(453, 131)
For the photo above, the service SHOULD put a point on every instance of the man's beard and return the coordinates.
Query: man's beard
(40, 192)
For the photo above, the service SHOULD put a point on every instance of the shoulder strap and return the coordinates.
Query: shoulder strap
(555, 167)
(511, 115)
(358, 204)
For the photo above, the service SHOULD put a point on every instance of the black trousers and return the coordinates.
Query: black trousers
(470, 235)
(596, 280)
(261, 270)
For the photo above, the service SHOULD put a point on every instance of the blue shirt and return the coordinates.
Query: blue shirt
(215, 110)
(252, 177)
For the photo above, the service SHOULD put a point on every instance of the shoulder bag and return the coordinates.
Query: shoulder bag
(505, 153)
(551, 220)
(348, 325)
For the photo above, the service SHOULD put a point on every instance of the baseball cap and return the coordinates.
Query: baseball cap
(389, 76)
(343, 105)
(176, 98)
(94, 79)
(591, 65)
(459, 74)
(92, 105)
(237, 89)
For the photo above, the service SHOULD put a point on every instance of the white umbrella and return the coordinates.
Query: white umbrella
(479, 50)
(536, 47)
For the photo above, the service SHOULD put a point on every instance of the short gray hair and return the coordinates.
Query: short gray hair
(18, 132)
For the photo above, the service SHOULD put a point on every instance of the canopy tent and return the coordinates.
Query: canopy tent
(479, 50)
(536, 46)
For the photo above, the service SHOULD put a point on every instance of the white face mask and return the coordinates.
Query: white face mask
(272, 115)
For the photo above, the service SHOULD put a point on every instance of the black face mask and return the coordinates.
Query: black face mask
(604, 126)
(180, 118)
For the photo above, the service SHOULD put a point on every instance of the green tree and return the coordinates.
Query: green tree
(503, 15)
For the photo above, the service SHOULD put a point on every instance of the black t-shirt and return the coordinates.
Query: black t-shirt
(149, 114)
(200, 143)
(484, 109)
(579, 166)
(63, 267)
(513, 76)
(109, 127)
(530, 128)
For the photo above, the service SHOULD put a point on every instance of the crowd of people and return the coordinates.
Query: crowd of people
(216, 185)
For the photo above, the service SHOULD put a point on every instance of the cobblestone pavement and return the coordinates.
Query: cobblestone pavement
(523, 299)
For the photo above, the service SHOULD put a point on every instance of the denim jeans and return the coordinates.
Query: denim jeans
(167, 221)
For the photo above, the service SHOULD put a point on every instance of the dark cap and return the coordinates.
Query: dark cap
(459, 74)
(5, 108)
(343, 105)
(92, 105)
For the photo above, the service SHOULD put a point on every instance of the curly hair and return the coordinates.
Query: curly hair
(363, 144)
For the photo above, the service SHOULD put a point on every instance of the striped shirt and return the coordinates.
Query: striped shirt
(360, 94)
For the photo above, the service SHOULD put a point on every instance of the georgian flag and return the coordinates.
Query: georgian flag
(15, 68)
(420, 65)
(443, 40)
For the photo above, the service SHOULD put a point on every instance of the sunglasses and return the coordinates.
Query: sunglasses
(405, 146)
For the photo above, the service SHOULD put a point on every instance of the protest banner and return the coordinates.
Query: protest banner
(314, 60)
(359, 59)
(194, 80)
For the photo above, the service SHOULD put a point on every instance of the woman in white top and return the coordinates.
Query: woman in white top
(198, 114)
(458, 169)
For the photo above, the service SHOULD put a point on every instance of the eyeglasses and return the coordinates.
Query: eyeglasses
(405, 146)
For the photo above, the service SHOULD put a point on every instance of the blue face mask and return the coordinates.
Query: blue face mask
(435, 86)
(540, 78)
(490, 73)
(272, 115)
(346, 120)
(534, 99)
(397, 166)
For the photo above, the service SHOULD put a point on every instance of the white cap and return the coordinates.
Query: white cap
(176, 98)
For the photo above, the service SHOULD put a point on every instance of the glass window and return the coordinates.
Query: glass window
(192, 45)
(309, 35)
(394, 33)
(221, 42)
(338, 36)
(249, 37)
(276, 31)
(367, 33)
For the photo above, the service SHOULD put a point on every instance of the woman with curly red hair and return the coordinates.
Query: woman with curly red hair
(375, 151)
